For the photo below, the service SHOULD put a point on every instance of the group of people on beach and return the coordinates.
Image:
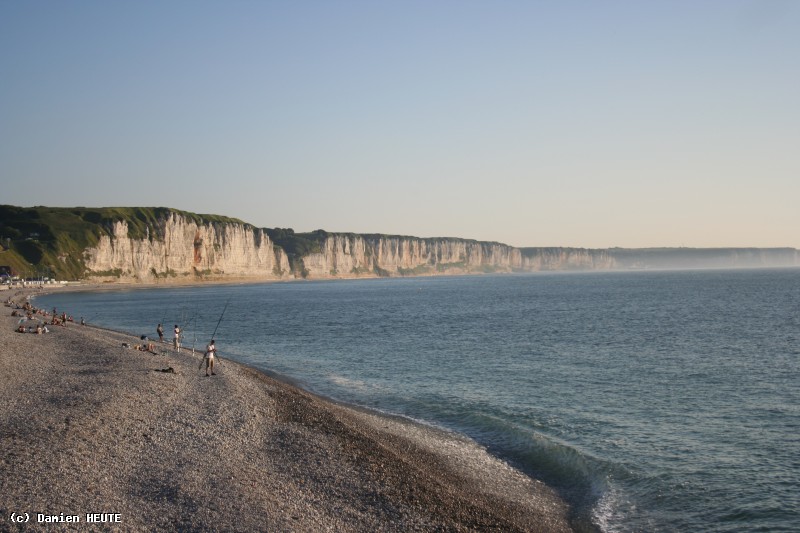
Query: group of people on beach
(176, 339)
(39, 329)
(28, 312)
(208, 357)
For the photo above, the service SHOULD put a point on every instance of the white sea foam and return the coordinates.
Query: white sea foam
(349, 383)
(606, 510)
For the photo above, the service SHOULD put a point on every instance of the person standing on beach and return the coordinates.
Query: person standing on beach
(177, 339)
(160, 331)
(211, 351)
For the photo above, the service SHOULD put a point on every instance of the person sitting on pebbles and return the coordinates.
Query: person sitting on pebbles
(147, 345)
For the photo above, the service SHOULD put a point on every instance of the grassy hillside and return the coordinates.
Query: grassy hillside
(49, 241)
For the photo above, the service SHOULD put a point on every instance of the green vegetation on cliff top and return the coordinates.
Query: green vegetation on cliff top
(50, 241)
(297, 245)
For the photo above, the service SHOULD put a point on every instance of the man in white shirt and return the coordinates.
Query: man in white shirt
(176, 341)
(211, 352)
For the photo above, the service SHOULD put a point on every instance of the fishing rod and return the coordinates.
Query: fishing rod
(193, 316)
(89, 319)
(184, 326)
(163, 318)
(220, 319)
(194, 331)
(219, 361)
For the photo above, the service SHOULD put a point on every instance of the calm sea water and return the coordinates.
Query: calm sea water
(653, 401)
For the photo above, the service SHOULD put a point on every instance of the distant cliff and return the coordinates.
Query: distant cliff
(534, 259)
(167, 245)
(348, 255)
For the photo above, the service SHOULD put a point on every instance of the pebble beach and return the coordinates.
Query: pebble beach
(95, 430)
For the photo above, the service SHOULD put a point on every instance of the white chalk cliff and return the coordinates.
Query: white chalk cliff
(346, 255)
(180, 248)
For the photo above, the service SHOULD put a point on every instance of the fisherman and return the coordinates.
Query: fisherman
(177, 339)
(211, 351)
(160, 331)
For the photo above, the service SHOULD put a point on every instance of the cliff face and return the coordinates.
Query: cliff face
(179, 248)
(535, 259)
(155, 244)
(681, 258)
(358, 255)
(182, 249)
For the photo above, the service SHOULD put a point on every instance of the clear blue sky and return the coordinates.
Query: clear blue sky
(593, 123)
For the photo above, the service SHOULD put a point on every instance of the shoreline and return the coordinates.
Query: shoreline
(91, 427)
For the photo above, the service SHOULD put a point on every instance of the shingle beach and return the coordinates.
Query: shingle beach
(89, 426)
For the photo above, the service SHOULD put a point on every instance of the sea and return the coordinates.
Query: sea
(652, 401)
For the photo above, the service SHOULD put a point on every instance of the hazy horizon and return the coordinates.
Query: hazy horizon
(574, 124)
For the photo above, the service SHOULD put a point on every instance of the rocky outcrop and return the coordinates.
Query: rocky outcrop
(179, 248)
